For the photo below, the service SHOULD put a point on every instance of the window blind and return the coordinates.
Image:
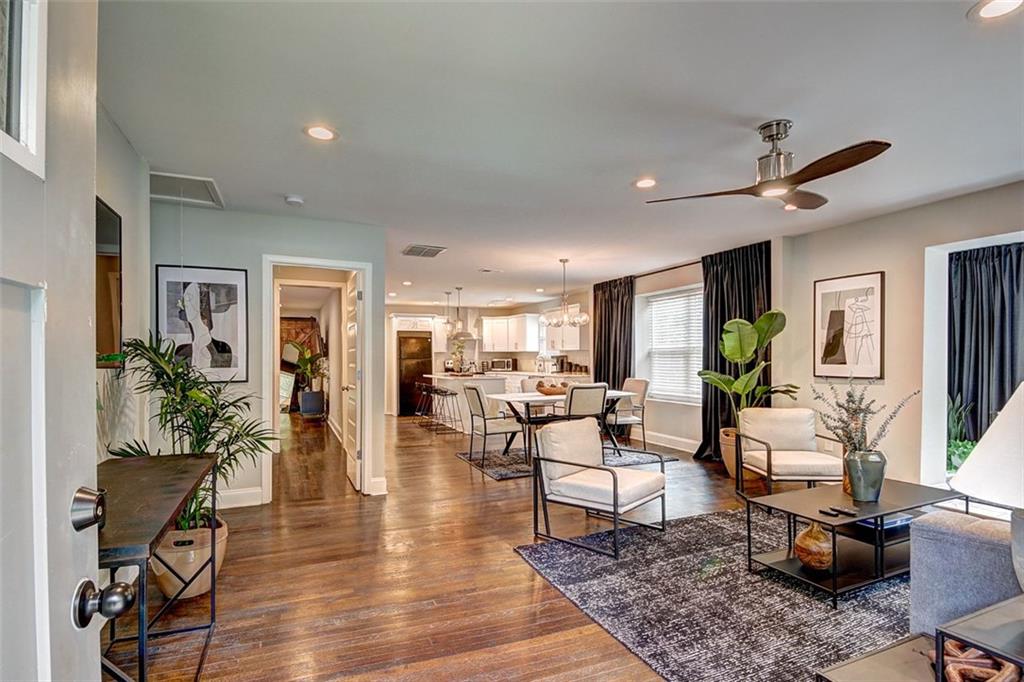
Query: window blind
(675, 334)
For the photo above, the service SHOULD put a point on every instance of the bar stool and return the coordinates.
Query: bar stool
(447, 414)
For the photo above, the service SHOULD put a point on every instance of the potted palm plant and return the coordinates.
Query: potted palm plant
(745, 346)
(194, 415)
(310, 373)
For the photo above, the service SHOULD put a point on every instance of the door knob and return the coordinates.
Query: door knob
(110, 602)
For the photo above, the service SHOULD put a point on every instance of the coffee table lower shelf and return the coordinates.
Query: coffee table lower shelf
(856, 566)
(905, 660)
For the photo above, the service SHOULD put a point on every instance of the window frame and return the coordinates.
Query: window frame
(645, 322)
(28, 150)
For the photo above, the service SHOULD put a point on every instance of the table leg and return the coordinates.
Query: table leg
(879, 551)
(608, 430)
(213, 549)
(143, 620)
(940, 665)
(750, 561)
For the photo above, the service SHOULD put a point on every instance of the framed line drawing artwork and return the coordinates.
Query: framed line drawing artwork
(849, 326)
(205, 312)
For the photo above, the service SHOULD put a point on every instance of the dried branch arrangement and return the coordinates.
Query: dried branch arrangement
(847, 415)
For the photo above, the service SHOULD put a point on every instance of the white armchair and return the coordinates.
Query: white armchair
(569, 469)
(780, 444)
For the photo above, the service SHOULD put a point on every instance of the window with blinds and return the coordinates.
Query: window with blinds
(675, 321)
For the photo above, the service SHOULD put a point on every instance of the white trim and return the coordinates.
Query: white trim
(239, 497)
(675, 442)
(30, 151)
(270, 402)
(336, 430)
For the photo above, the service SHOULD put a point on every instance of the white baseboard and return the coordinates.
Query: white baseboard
(684, 444)
(378, 486)
(239, 497)
(336, 430)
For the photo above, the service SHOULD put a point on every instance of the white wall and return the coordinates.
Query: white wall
(894, 243)
(239, 240)
(47, 234)
(673, 424)
(122, 181)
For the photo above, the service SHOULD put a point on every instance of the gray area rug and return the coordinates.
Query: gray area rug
(684, 602)
(513, 465)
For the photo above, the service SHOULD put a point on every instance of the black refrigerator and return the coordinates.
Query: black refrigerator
(415, 360)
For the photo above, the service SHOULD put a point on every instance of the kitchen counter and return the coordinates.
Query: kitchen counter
(490, 384)
(574, 375)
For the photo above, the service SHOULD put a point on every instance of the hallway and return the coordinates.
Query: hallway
(420, 583)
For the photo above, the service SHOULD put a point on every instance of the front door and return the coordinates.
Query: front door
(353, 388)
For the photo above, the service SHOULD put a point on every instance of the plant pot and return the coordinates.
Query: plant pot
(311, 403)
(185, 551)
(813, 547)
(865, 471)
(727, 443)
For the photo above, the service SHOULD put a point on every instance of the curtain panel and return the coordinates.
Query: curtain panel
(737, 283)
(986, 330)
(613, 330)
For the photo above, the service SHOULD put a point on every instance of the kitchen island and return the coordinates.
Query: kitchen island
(457, 383)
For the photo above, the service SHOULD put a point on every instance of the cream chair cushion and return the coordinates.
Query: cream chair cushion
(593, 485)
(786, 428)
(570, 441)
(585, 399)
(796, 463)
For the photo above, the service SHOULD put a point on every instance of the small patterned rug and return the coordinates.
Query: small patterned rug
(684, 602)
(513, 465)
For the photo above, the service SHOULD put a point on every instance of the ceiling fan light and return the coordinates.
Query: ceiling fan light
(774, 191)
(790, 207)
(992, 9)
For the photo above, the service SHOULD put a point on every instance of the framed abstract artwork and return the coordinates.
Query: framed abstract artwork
(205, 312)
(849, 326)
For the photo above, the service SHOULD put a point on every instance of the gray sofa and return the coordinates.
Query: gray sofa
(958, 564)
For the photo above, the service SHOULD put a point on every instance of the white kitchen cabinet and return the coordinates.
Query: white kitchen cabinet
(513, 334)
(439, 336)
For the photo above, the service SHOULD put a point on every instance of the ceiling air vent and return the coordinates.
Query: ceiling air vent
(423, 250)
(187, 189)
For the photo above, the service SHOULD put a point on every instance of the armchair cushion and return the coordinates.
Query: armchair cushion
(795, 463)
(595, 485)
(570, 441)
(786, 428)
(623, 418)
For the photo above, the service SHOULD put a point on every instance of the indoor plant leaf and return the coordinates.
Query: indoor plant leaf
(717, 379)
(739, 341)
(768, 326)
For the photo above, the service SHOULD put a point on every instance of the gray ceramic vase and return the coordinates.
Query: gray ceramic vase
(866, 469)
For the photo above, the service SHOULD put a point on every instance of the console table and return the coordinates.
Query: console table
(144, 495)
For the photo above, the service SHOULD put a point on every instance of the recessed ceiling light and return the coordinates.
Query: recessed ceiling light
(392, 293)
(992, 9)
(645, 183)
(435, 303)
(322, 133)
(406, 283)
(294, 199)
(539, 290)
(509, 298)
(789, 207)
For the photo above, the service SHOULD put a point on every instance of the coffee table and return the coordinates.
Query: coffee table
(861, 555)
(997, 630)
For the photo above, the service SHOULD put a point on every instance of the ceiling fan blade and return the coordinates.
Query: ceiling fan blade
(805, 200)
(751, 191)
(838, 161)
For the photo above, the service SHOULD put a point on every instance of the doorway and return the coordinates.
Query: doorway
(340, 334)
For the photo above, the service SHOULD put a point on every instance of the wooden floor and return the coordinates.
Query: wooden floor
(421, 583)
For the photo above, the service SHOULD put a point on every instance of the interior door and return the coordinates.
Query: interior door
(353, 387)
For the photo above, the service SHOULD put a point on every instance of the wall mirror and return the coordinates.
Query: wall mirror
(108, 286)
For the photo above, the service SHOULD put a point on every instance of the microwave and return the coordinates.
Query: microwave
(503, 365)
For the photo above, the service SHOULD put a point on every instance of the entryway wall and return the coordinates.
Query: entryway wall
(239, 239)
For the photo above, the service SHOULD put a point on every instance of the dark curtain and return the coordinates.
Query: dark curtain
(986, 330)
(613, 331)
(737, 283)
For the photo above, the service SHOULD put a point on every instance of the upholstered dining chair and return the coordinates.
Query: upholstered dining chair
(780, 444)
(571, 471)
(485, 420)
(586, 400)
(630, 411)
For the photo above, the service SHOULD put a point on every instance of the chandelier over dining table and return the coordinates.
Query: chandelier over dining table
(563, 316)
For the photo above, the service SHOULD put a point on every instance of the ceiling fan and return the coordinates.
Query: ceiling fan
(775, 178)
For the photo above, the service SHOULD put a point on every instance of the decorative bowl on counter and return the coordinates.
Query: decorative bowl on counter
(548, 389)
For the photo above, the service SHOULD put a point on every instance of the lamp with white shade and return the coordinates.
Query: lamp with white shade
(994, 471)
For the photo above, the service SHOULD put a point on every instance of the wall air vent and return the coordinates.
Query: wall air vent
(423, 250)
(187, 189)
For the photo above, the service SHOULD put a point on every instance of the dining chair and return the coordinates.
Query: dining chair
(586, 400)
(630, 411)
(485, 420)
